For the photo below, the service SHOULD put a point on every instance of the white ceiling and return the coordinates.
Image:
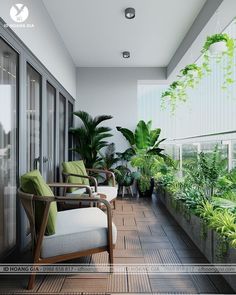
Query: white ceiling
(95, 32)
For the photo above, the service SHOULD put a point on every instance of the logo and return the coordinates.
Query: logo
(19, 12)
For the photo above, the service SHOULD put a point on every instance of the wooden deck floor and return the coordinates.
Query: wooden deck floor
(146, 234)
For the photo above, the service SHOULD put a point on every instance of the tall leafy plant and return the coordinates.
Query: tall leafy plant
(144, 146)
(90, 138)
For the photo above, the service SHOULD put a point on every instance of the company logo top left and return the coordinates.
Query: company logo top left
(19, 12)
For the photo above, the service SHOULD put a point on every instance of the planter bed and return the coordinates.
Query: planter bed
(207, 244)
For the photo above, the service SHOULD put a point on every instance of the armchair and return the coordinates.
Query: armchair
(59, 236)
(75, 172)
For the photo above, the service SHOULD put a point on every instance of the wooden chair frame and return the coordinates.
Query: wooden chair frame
(93, 179)
(28, 200)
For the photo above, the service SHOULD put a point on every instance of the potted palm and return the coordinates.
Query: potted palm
(144, 143)
(89, 138)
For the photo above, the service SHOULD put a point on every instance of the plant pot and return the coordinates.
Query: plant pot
(217, 48)
(148, 193)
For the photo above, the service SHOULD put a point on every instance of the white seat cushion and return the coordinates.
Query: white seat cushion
(78, 230)
(109, 191)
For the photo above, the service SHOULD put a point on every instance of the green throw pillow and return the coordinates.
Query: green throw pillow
(75, 167)
(33, 183)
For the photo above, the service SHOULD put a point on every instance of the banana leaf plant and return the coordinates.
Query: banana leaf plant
(144, 146)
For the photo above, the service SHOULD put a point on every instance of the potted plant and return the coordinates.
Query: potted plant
(219, 46)
(124, 176)
(191, 72)
(218, 43)
(144, 144)
(89, 138)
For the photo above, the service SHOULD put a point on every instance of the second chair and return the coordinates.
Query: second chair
(76, 173)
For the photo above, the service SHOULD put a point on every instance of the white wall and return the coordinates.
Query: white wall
(113, 91)
(44, 41)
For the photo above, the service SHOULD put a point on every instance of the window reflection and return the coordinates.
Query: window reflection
(8, 145)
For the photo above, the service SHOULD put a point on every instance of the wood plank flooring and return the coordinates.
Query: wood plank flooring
(147, 234)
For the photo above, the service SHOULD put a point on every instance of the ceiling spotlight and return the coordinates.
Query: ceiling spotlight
(126, 54)
(130, 13)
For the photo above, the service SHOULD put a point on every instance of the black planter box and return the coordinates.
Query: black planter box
(207, 244)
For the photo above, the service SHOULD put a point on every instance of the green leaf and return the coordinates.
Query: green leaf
(142, 136)
(128, 134)
(154, 135)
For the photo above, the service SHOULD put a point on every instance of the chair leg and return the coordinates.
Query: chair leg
(131, 191)
(111, 259)
(114, 204)
(123, 191)
(31, 282)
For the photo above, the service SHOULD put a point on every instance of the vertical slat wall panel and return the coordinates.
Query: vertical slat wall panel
(208, 110)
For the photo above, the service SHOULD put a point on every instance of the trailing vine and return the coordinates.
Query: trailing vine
(229, 53)
(191, 75)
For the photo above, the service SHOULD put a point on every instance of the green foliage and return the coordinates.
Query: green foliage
(144, 151)
(89, 137)
(206, 171)
(224, 203)
(124, 176)
(108, 157)
(229, 53)
(191, 75)
(208, 191)
(175, 93)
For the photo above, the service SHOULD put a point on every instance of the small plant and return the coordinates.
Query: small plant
(175, 93)
(191, 75)
(228, 52)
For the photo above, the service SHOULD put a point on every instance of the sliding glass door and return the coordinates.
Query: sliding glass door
(34, 123)
(49, 158)
(8, 145)
(70, 124)
(62, 130)
(33, 118)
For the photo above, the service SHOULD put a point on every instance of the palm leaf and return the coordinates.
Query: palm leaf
(97, 120)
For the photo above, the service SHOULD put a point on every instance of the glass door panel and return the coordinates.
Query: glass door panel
(49, 160)
(62, 130)
(8, 145)
(70, 124)
(33, 118)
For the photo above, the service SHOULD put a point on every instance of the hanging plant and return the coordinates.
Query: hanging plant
(176, 92)
(191, 75)
(219, 46)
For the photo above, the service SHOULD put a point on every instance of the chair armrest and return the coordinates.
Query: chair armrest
(108, 172)
(94, 180)
(71, 185)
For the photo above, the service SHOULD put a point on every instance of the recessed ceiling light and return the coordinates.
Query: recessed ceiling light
(126, 54)
(130, 13)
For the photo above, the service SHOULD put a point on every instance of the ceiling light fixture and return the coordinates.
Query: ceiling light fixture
(126, 54)
(130, 13)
